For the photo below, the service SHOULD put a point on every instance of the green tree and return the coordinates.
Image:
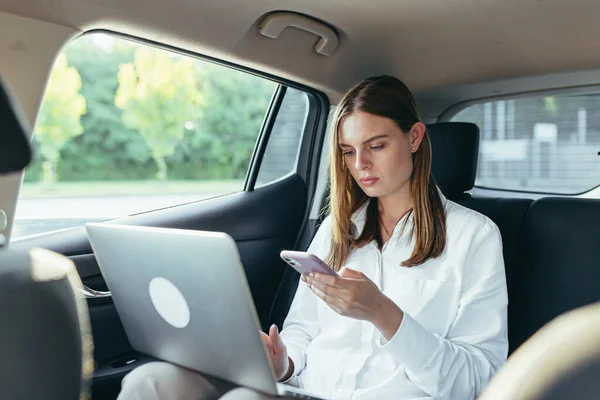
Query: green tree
(221, 143)
(158, 94)
(109, 150)
(59, 116)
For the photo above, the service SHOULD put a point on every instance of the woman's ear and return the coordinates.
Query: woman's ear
(416, 134)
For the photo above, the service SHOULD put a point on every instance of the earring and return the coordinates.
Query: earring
(413, 149)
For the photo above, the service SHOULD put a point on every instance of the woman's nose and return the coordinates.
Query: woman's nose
(362, 161)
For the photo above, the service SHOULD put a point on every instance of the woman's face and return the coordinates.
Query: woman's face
(377, 153)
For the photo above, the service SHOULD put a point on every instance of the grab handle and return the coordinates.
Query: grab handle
(275, 23)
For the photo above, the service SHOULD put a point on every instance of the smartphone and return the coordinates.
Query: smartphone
(305, 263)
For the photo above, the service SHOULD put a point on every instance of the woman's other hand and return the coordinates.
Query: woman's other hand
(282, 364)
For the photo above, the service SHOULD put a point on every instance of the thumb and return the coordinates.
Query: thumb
(266, 339)
(276, 341)
(350, 273)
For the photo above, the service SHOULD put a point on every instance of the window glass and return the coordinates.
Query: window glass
(538, 144)
(126, 128)
(281, 155)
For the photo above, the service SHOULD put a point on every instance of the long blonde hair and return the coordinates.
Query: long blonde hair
(390, 98)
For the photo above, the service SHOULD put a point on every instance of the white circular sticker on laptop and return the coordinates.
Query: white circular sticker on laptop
(169, 302)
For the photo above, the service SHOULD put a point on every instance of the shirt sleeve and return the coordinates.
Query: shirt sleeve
(461, 364)
(301, 323)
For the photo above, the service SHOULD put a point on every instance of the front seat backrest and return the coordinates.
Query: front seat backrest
(45, 335)
(561, 361)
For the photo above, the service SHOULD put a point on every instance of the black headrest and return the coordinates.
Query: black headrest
(15, 152)
(455, 148)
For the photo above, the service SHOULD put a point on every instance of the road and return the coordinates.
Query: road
(35, 216)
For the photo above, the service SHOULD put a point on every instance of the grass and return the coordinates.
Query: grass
(127, 188)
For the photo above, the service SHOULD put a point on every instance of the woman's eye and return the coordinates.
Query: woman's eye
(348, 153)
(377, 148)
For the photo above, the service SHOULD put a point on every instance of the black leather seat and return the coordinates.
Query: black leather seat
(559, 262)
(455, 147)
(550, 245)
(558, 280)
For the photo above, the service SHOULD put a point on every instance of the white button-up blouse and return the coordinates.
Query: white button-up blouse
(453, 336)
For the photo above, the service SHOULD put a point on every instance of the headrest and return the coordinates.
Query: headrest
(455, 151)
(15, 152)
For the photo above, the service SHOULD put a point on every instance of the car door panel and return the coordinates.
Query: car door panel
(262, 222)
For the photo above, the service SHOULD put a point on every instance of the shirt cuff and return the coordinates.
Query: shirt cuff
(297, 359)
(414, 346)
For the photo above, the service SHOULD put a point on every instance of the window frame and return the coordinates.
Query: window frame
(312, 134)
(454, 109)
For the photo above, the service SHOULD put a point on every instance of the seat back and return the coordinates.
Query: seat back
(561, 361)
(455, 148)
(550, 245)
(46, 350)
(559, 266)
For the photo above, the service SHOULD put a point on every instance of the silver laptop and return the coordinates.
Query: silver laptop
(183, 297)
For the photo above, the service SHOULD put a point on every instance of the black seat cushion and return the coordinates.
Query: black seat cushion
(559, 267)
(509, 216)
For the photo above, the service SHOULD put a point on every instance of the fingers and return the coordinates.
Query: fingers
(330, 291)
(335, 303)
(334, 297)
(326, 279)
(346, 279)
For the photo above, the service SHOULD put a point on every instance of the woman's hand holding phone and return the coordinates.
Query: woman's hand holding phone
(306, 263)
(282, 364)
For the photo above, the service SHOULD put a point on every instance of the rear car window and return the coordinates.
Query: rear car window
(126, 128)
(545, 144)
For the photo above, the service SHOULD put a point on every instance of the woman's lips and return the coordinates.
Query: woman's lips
(369, 181)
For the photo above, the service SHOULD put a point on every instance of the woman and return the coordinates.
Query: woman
(419, 308)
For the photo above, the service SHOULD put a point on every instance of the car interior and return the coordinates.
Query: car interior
(509, 91)
(47, 338)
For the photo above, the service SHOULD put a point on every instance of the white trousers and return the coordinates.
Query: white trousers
(161, 381)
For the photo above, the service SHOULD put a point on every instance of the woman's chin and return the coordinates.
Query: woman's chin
(372, 192)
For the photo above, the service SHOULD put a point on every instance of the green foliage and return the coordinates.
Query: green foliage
(222, 127)
(59, 115)
(158, 94)
(222, 140)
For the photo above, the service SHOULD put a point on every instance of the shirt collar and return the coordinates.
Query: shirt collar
(359, 217)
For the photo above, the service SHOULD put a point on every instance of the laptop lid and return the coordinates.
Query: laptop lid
(183, 297)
